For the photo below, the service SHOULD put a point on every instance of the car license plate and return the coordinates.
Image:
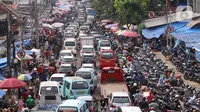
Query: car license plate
(107, 61)
(80, 93)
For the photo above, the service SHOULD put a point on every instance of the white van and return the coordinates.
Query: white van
(70, 44)
(49, 87)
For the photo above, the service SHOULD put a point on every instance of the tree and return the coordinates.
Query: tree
(130, 11)
(104, 8)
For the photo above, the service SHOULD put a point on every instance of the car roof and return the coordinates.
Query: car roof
(66, 64)
(86, 98)
(65, 51)
(70, 39)
(74, 78)
(120, 94)
(87, 64)
(58, 75)
(85, 69)
(88, 54)
(130, 109)
(48, 83)
(87, 46)
(72, 103)
(68, 57)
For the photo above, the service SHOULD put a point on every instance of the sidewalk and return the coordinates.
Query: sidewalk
(170, 65)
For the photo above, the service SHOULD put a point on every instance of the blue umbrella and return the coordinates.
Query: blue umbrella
(2, 93)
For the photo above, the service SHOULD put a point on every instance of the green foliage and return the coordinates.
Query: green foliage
(140, 27)
(131, 11)
(103, 8)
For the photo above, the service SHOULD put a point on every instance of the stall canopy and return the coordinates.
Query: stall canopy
(3, 62)
(155, 32)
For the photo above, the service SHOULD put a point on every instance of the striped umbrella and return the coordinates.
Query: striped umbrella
(111, 25)
(25, 77)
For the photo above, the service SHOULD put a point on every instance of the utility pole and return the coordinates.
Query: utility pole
(9, 43)
(36, 25)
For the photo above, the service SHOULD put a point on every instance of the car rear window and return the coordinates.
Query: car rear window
(57, 79)
(88, 56)
(69, 43)
(89, 50)
(85, 75)
(80, 85)
(107, 55)
(67, 109)
(65, 54)
(121, 100)
(45, 90)
(105, 44)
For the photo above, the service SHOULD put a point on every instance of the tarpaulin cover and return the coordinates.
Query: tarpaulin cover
(3, 62)
(197, 55)
(27, 42)
(29, 52)
(155, 32)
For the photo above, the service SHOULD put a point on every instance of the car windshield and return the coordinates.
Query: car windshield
(85, 75)
(121, 100)
(65, 54)
(69, 43)
(105, 44)
(87, 66)
(57, 79)
(80, 85)
(107, 55)
(88, 50)
(49, 89)
(67, 109)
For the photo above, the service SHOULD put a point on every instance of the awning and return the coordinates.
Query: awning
(155, 32)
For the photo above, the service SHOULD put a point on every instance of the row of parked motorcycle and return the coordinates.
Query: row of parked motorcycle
(190, 68)
(173, 95)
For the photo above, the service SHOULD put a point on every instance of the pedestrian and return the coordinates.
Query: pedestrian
(20, 104)
(30, 102)
(25, 94)
(25, 109)
(103, 102)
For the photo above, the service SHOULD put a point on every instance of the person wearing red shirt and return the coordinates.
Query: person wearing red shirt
(129, 58)
(150, 97)
(25, 95)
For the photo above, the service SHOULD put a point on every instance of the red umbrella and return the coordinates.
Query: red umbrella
(129, 34)
(12, 83)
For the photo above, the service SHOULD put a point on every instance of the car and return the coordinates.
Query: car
(90, 75)
(70, 44)
(87, 49)
(92, 106)
(67, 69)
(58, 77)
(73, 87)
(68, 59)
(69, 34)
(118, 99)
(104, 45)
(87, 65)
(65, 53)
(128, 109)
(84, 29)
(88, 58)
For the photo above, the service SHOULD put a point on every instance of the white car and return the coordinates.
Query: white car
(87, 65)
(118, 99)
(104, 45)
(68, 60)
(70, 44)
(87, 49)
(65, 53)
(90, 75)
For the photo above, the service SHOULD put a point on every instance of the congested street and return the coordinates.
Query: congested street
(70, 57)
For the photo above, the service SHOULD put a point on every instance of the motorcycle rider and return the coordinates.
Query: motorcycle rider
(103, 102)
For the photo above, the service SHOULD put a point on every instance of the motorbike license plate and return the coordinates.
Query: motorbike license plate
(80, 93)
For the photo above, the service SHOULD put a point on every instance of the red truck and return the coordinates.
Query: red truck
(112, 80)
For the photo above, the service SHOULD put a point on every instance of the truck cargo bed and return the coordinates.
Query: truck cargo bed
(108, 88)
